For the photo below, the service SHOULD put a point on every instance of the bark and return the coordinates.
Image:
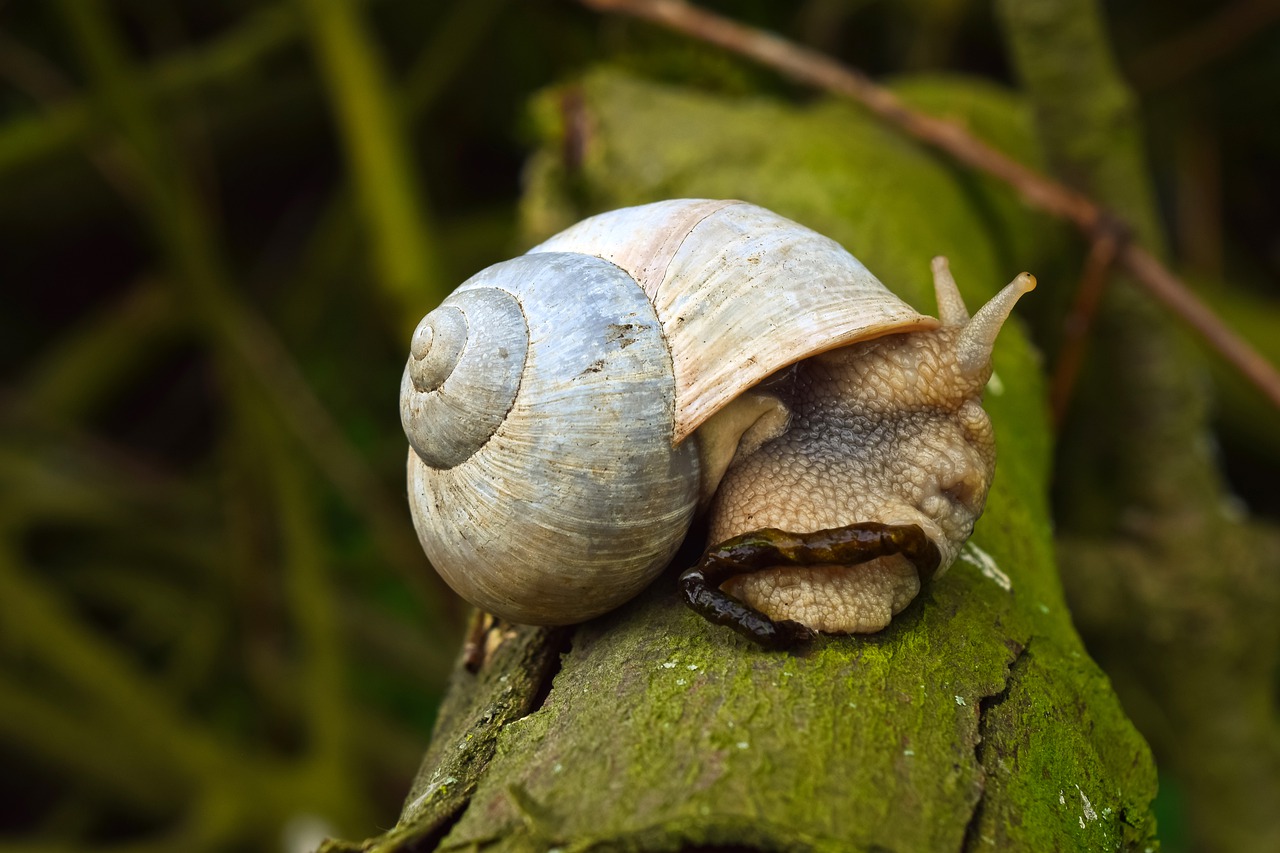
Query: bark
(976, 720)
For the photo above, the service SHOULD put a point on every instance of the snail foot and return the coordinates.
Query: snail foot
(788, 573)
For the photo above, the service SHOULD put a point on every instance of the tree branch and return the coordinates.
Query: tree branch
(1039, 191)
(1202, 44)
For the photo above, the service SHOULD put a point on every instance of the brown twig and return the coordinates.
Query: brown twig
(1079, 320)
(1037, 190)
(1202, 44)
(821, 71)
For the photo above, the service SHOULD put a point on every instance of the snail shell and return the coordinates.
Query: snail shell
(553, 402)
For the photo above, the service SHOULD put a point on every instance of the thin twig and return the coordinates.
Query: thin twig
(1079, 320)
(72, 121)
(45, 84)
(823, 72)
(97, 752)
(1037, 190)
(1202, 44)
(313, 601)
(77, 372)
(438, 61)
(104, 679)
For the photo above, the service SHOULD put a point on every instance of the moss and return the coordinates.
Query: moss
(1024, 759)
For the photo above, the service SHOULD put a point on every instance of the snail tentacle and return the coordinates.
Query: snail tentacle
(973, 347)
(951, 307)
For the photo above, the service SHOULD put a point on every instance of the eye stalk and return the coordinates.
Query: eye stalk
(973, 347)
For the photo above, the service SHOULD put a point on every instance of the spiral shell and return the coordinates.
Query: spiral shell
(577, 492)
(548, 399)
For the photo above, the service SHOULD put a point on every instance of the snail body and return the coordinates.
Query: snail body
(569, 412)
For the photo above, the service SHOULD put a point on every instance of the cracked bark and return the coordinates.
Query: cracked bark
(974, 828)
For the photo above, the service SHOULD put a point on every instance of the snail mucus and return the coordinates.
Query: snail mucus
(572, 410)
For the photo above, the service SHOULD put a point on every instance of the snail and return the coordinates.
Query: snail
(572, 410)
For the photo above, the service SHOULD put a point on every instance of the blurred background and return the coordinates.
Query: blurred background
(219, 224)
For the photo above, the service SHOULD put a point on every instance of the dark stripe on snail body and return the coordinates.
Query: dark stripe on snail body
(767, 549)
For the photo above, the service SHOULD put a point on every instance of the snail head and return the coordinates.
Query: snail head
(886, 434)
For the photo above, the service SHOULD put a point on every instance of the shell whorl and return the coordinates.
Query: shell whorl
(578, 497)
(463, 374)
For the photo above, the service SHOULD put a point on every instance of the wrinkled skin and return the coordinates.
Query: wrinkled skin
(890, 431)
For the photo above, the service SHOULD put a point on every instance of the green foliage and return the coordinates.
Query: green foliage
(185, 644)
(217, 631)
(888, 201)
